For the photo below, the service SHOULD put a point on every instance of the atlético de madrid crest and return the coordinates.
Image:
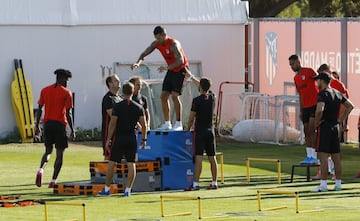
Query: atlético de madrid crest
(271, 57)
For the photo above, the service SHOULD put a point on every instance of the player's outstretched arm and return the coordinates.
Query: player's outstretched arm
(145, 53)
(188, 74)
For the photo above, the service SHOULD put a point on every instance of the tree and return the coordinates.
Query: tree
(304, 8)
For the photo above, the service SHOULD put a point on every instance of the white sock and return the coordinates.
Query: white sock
(214, 183)
(107, 188)
(53, 180)
(314, 153)
(195, 184)
(337, 182)
(127, 189)
(323, 184)
(41, 170)
(309, 151)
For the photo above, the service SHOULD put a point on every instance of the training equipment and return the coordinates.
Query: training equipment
(282, 192)
(307, 170)
(64, 204)
(148, 175)
(22, 101)
(222, 114)
(263, 160)
(85, 188)
(7, 201)
(270, 119)
(175, 151)
(175, 197)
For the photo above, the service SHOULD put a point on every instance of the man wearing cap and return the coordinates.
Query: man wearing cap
(338, 85)
(57, 99)
(327, 122)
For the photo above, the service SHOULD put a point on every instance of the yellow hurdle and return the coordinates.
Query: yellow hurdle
(278, 192)
(64, 204)
(221, 157)
(162, 197)
(263, 160)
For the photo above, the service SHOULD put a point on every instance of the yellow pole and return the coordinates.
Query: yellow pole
(161, 206)
(46, 213)
(277, 191)
(84, 212)
(259, 200)
(248, 170)
(263, 159)
(279, 171)
(297, 202)
(199, 207)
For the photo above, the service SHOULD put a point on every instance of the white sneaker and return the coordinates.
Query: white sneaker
(178, 126)
(165, 126)
(319, 189)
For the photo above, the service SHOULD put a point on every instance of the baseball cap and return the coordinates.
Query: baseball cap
(323, 76)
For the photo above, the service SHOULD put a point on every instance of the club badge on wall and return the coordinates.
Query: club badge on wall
(271, 56)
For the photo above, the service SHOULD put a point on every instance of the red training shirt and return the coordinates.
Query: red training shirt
(307, 87)
(169, 55)
(56, 99)
(338, 85)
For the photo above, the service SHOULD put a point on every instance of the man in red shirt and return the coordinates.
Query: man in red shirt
(177, 63)
(307, 88)
(58, 103)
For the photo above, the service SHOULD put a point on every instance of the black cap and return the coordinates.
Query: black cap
(323, 76)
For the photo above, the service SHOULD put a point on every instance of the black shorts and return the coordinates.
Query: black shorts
(55, 133)
(205, 140)
(328, 139)
(124, 146)
(307, 113)
(173, 81)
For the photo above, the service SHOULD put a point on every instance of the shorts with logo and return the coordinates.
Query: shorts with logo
(173, 81)
(328, 139)
(55, 133)
(204, 141)
(307, 113)
(124, 146)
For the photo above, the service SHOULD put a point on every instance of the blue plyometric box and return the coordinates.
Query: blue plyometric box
(177, 175)
(153, 149)
(177, 145)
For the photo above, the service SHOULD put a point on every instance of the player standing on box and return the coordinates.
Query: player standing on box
(307, 88)
(125, 116)
(202, 112)
(57, 100)
(109, 99)
(177, 63)
(327, 122)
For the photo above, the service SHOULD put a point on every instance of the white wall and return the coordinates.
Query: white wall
(82, 49)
